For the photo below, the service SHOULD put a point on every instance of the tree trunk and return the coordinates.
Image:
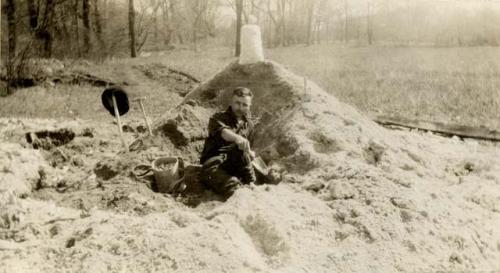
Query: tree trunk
(155, 20)
(131, 28)
(358, 31)
(98, 25)
(12, 35)
(268, 31)
(33, 19)
(345, 22)
(408, 41)
(282, 25)
(167, 33)
(42, 31)
(369, 33)
(195, 40)
(327, 31)
(155, 28)
(86, 27)
(239, 11)
(33, 15)
(76, 42)
(105, 14)
(309, 22)
(169, 17)
(272, 22)
(317, 33)
(197, 10)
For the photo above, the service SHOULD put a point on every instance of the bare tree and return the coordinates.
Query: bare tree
(369, 30)
(239, 11)
(98, 25)
(76, 40)
(41, 23)
(33, 14)
(278, 21)
(176, 21)
(310, 17)
(167, 9)
(196, 7)
(143, 27)
(155, 6)
(11, 54)
(172, 17)
(131, 28)
(281, 4)
(346, 21)
(86, 26)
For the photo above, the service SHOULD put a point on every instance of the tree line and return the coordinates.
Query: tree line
(102, 28)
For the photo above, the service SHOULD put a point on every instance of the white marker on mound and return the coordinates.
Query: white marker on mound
(251, 45)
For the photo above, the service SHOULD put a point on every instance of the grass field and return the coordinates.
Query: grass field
(460, 85)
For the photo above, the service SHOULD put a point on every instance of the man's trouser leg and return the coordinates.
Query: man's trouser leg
(239, 164)
(217, 178)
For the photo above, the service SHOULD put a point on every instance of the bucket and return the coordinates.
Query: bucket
(166, 172)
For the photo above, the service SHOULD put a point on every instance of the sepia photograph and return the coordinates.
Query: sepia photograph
(260, 136)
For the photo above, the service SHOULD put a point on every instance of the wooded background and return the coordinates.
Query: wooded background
(96, 29)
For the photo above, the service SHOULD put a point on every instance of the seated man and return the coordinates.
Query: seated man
(226, 156)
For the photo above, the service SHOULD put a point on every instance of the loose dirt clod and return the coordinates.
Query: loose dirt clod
(108, 169)
(49, 139)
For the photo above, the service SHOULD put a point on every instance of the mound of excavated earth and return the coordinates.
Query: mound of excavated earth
(355, 197)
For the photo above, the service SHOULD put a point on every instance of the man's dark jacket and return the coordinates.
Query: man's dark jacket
(215, 144)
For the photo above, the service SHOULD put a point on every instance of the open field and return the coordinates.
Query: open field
(460, 85)
(447, 84)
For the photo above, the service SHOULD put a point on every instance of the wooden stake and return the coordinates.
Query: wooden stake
(117, 115)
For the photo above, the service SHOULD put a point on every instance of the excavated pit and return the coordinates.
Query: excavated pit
(48, 139)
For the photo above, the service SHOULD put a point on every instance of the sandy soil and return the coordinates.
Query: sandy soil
(355, 197)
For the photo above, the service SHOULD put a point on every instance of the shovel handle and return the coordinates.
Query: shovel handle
(119, 122)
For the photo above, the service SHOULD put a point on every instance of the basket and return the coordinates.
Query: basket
(166, 172)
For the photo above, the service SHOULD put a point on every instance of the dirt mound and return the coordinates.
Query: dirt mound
(20, 169)
(298, 124)
(181, 81)
(181, 132)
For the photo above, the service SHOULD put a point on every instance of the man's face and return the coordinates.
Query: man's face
(241, 105)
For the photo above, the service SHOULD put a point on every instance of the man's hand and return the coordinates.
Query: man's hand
(243, 143)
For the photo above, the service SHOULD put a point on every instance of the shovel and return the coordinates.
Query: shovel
(260, 165)
(257, 162)
(269, 175)
(115, 100)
